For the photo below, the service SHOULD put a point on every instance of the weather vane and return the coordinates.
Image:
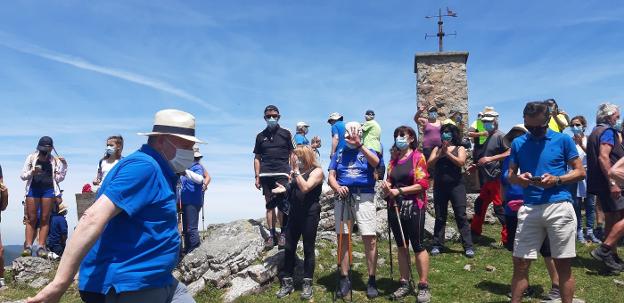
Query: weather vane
(441, 33)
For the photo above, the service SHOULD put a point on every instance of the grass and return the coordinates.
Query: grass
(448, 280)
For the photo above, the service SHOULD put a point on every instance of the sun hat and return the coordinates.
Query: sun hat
(334, 117)
(196, 152)
(62, 209)
(174, 122)
(302, 124)
(507, 139)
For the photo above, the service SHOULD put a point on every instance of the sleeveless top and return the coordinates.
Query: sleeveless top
(597, 182)
(446, 171)
(299, 199)
(431, 136)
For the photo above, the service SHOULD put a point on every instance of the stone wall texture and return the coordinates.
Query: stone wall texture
(441, 81)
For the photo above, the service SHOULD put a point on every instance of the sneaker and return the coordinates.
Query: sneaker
(307, 290)
(282, 240)
(580, 237)
(435, 250)
(27, 252)
(469, 253)
(591, 237)
(424, 295)
(618, 260)
(286, 289)
(42, 252)
(2, 283)
(343, 288)
(402, 291)
(269, 243)
(606, 256)
(371, 289)
(553, 294)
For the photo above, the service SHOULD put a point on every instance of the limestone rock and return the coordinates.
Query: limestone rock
(32, 271)
(241, 287)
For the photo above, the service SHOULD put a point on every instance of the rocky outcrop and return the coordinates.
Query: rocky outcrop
(32, 271)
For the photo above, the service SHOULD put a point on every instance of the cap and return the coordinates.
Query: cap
(271, 108)
(334, 116)
(45, 144)
(196, 152)
(488, 117)
(370, 112)
(302, 124)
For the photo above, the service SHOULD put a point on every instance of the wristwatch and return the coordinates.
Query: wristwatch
(558, 181)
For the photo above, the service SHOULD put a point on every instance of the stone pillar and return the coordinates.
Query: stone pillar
(441, 81)
(83, 201)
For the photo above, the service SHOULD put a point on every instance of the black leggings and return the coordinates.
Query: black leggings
(456, 193)
(304, 220)
(413, 228)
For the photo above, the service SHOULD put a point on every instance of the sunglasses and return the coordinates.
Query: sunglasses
(271, 116)
(577, 125)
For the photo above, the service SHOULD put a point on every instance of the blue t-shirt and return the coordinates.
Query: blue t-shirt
(58, 230)
(608, 137)
(192, 193)
(139, 247)
(300, 139)
(352, 170)
(538, 156)
(339, 129)
(511, 191)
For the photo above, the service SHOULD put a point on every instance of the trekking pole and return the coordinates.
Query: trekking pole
(390, 251)
(350, 247)
(203, 223)
(409, 259)
(180, 215)
(339, 254)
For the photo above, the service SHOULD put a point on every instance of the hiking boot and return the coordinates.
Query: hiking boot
(27, 252)
(287, 288)
(282, 240)
(307, 291)
(553, 294)
(591, 237)
(269, 243)
(371, 289)
(402, 291)
(435, 250)
(42, 252)
(469, 253)
(580, 237)
(605, 255)
(618, 260)
(344, 287)
(424, 295)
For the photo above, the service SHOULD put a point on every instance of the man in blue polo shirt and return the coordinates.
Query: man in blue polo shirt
(128, 240)
(338, 131)
(542, 157)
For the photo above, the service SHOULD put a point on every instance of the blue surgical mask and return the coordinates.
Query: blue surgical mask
(447, 136)
(271, 122)
(489, 126)
(110, 150)
(618, 125)
(401, 143)
(577, 130)
(433, 115)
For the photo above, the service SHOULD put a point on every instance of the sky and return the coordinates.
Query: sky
(80, 71)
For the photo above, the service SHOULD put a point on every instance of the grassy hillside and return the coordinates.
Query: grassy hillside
(448, 279)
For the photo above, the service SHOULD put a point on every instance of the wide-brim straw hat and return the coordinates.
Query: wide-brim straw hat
(62, 209)
(175, 123)
(507, 139)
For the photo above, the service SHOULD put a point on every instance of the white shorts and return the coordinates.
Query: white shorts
(535, 222)
(363, 209)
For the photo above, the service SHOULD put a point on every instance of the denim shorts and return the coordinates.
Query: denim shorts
(39, 193)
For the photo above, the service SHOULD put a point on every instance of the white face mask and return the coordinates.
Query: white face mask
(182, 160)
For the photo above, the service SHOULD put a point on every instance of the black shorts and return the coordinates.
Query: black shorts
(512, 223)
(608, 204)
(413, 229)
(280, 200)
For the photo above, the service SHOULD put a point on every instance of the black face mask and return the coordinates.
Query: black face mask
(537, 131)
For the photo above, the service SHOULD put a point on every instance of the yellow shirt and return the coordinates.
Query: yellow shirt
(552, 124)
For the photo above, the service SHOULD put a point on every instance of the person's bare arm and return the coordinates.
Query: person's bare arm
(605, 165)
(460, 159)
(86, 233)
(616, 173)
(335, 140)
(520, 179)
(577, 173)
(342, 191)
(257, 170)
(433, 159)
(499, 157)
(316, 177)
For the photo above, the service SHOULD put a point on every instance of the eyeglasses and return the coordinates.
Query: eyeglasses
(275, 116)
(577, 125)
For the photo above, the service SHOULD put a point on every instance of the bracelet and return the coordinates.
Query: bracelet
(296, 173)
(400, 191)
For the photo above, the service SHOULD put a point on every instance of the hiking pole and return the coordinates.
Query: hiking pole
(350, 247)
(203, 237)
(409, 259)
(390, 251)
(180, 215)
(339, 254)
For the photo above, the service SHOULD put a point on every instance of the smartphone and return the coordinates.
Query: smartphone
(536, 179)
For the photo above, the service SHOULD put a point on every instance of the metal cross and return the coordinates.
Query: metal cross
(441, 34)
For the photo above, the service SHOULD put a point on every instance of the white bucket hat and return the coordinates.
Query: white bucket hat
(174, 122)
(196, 152)
(334, 117)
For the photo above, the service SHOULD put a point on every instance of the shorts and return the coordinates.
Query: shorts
(557, 221)
(175, 293)
(364, 211)
(39, 193)
(512, 223)
(268, 183)
(280, 201)
(608, 204)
